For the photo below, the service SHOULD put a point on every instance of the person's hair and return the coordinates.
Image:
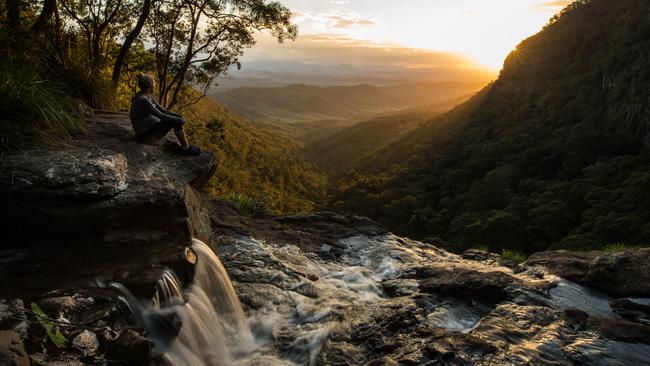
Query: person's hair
(145, 82)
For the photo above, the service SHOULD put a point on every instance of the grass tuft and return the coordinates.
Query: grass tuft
(513, 255)
(34, 111)
(246, 205)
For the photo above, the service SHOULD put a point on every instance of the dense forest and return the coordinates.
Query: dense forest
(552, 154)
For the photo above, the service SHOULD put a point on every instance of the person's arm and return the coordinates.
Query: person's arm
(163, 110)
(149, 106)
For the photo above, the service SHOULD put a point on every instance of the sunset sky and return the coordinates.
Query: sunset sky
(406, 33)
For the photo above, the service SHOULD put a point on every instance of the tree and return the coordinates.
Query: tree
(99, 22)
(47, 11)
(196, 41)
(13, 12)
(128, 41)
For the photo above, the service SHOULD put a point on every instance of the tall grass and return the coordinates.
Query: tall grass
(34, 111)
(82, 79)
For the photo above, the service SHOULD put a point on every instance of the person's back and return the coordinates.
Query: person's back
(152, 122)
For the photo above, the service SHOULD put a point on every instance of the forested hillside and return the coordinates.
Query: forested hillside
(553, 154)
(254, 162)
(351, 147)
(308, 103)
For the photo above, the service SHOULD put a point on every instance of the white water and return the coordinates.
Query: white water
(214, 330)
(288, 328)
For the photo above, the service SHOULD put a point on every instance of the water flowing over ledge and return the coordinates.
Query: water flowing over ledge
(302, 309)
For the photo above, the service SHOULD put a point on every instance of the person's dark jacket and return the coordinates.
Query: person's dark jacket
(146, 113)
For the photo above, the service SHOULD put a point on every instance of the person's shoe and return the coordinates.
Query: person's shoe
(192, 151)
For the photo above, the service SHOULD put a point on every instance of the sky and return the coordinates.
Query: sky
(409, 34)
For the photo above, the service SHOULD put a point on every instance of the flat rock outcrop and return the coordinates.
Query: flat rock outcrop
(105, 207)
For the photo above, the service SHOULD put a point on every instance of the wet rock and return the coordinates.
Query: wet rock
(383, 361)
(481, 256)
(318, 233)
(131, 347)
(632, 311)
(616, 329)
(12, 350)
(12, 316)
(42, 359)
(398, 287)
(570, 265)
(86, 342)
(466, 282)
(307, 289)
(136, 204)
(620, 274)
(58, 306)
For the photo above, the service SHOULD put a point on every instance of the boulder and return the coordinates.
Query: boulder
(86, 342)
(621, 274)
(570, 265)
(12, 350)
(615, 329)
(630, 310)
(131, 348)
(465, 282)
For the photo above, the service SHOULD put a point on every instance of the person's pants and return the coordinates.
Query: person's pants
(160, 129)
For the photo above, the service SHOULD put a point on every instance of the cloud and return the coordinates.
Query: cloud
(552, 4)
(339, 21)
(333, 20)
(333, 49)
(339, 2)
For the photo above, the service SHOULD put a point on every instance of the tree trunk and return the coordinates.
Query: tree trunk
(128, 42)
(13, 12)
(49, 7)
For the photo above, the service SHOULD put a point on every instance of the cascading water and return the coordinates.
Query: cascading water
(300, 300)
(214, 331)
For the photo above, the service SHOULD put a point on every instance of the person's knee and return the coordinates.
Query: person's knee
(178, 126)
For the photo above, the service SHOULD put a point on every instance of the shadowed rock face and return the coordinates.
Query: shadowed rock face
(105, 207)
(621, 274)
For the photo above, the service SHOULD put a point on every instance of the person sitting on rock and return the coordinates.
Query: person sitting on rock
(152, 122)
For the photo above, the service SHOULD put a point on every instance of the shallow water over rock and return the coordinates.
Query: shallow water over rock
(286, 306)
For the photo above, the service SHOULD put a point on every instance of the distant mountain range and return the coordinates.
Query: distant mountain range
(300, 103)
(287, 73)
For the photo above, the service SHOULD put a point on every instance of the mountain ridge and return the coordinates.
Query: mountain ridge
(549, 155)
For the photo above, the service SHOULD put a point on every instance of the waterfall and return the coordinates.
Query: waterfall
(203, 325)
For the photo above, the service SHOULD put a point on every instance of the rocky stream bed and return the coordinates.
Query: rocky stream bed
(112, 255)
